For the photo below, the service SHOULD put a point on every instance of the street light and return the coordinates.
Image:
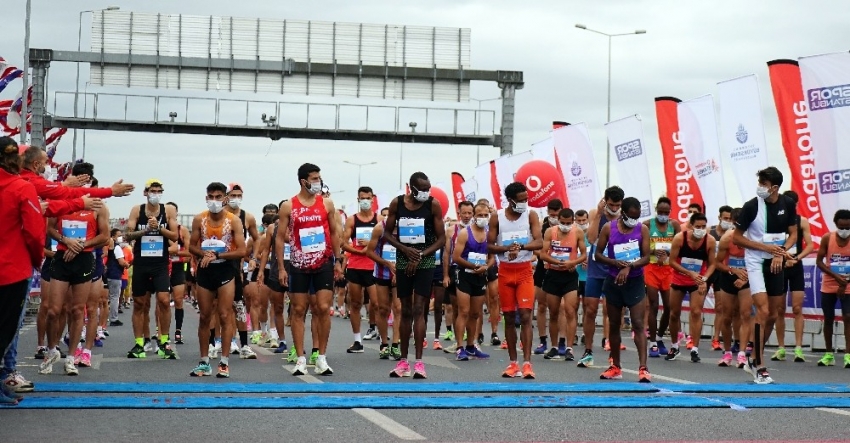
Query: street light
(359, 168)
(401, 155)
(77, 84)
(478, 125)
(610, 36)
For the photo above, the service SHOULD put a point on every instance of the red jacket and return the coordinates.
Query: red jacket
(55, 208)
(22, 247)
(49, 190)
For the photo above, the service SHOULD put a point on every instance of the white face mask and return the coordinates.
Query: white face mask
(154, 198)
(119, 240)
(314, 188)
(612, 213)
(365, 204)
(50, 174)
(482, 222)
(629, 222)
(726, 225)
(762, 192)
(843, 233)
(553, 221)
(565, 228)
(699, 233)
(421, 196)
(462, 223)
(584, 226)
(215, 206)
(663, 219)
(235, 203)
(520, 207)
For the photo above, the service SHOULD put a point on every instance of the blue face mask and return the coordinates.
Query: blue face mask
(262, 229)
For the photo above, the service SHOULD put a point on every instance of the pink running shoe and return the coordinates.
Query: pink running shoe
(84, 361)
(680, 337)
(726, 360)
(78, 354)
(419, 370)
(742, 361)
(402, 369)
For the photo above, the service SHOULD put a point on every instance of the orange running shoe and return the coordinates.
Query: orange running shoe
(504, 345)
(607, 346)
(612, 373)
(527, 371)
(622, 347)
(437, 345)
(715, 345)
(643, 375)
(512, 371)
(690, 343)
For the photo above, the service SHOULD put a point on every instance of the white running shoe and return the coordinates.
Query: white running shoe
(46, 366)
(70, 369)
(246, 353)
(234, 347)
(322, 367)
(300, 366)
(212, 352)
(371, 334)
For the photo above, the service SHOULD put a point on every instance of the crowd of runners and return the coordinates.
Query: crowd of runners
(251, 278)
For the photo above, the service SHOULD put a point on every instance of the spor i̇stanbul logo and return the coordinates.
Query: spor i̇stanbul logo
(741, 135)
(575, 169)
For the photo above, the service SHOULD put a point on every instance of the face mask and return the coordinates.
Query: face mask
(49, 174)
(565, 228)
(584, 226)
(262, 229)
(844, 233)
(482, 222)
(520, 207)
(763, 192)
(699, 233)
(553, 221)
(154, 198)
(119, 240)
(365, 204)
(612, 213)
(314, 188)
(726, 225)
(629, 222)
(421, 196)
(462, 224)
(235, 203)
(87, 185)
(663, 219)
(215, 206)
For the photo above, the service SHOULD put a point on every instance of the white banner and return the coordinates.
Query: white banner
(506, 168)
(486, 182)
(826, 85)
(470, 190)
(575, 155)
(627, 146)
(742, 131)
(698, 135)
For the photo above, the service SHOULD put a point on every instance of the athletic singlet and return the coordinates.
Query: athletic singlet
(596, 269)
(798, 246)
(625, 247)
(180, 248)
(694, 260)
(659, 240)
(80, 225)
(217, 238)
(310, 235)
(541, 265)
(563, 248)
(388, 253)
(416, 230)
(456, 229)
(474, 251)
(150, 248)
(838, 260)
(362, 231)
(515, 231)
(735, 256)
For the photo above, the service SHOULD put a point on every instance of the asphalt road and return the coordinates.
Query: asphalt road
(364, 423)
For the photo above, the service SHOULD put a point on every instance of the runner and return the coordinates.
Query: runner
(384, 256)
(737, 319)
(658, 273)
(466, 216)
(795, 282)
(583, 223)
(235, 195)
(218, 243)
(493, 295)
(151, 223)
(724, 224)
(179, 262)
(628, 243)
(115, 267)
(692, 259)
(540, 270)
(361, 283)
(563, 252)
(766, 229)
(834, 262)
(472, 261)
(91, 334)
(313, 232)
(421, 233)
(268, 279)
(514, 234)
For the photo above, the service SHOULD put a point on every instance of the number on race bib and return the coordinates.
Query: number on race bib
(152, 246)
(477, 259)
(411, 231)
(627, 252)
(312, 239)
(388, 253)
(692, 264)
(74, 229)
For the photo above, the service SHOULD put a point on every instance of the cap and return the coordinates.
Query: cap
(22, 148)
(232, 186)
(153, 182)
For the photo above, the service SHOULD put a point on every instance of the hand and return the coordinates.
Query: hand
(411, 253)
(261, 277)
(841, 281)
(516, 247)
(411, 268)
(481, 270)
(842, 289)
(70, 255)
(338, 274)
(790, 263)
(739, 283)
(153, 224)
(446, 281)
(362, 242)
(205, 261)
(75, 181)
(119, 189)
(622, 276)
(622, 264)
(775, 250)
(512, 255)
(702, 288)
(741, 274)
(601, 206)
(281, 275)
(252, 264)
(661, 254)
(697, 278)
(44, 206)
(584, 265)
(91, 203)
(776, 264)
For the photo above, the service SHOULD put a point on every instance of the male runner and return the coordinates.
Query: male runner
(766, 229)
(658, 273)
(217, 242)
(834, 261)
(734, 282)
(627, 243)
(311, 228)
(356, 237)
(151, 224)
(493, 295)
(384, 256)
(724, 218)
(421, 233)
(268, 279)
(552, 209)
(465, 217)
(115, 266)
(515, 234)
(249, 226)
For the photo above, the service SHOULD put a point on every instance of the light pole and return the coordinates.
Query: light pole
(25, 94)
(610, 36)
(478, 125)
(359, 169)
(77, 84)
(400, 157)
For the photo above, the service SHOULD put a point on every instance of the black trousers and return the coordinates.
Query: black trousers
(12, 298)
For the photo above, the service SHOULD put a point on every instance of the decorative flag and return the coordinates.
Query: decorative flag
(698, 134)
(575, 155)
(682, 187)
(626, 139)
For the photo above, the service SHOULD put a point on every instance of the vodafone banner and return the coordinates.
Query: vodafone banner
(470, 190)
(826, 84)
(698, 134)
(457, 189)
(575, 155)
(541, 176)
(792, 110)
(682, 188)
(506, 169)
(626, 139)
(742, 131)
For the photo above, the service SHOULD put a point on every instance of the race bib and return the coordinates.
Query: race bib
(312, 239)
(411, 231)
(477, 259)
(74, 229)
(388, 253)
(737, 263)
(509, 238)
(773, 239)
(152, 246)
(840, 265)
(666, 247)
(214, 245)
(692, 264)
(54, 245)
(559, 252)
(363, 234)
(627, 252)
(286, 248)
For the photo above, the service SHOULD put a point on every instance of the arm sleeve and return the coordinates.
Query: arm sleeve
(55, 208)
(119, 252)
(32, 225)
(748, 215)
(57, 191)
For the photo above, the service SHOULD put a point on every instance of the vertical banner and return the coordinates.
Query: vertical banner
(488, 184)
(742, 131)
(470, 190)
(575, 155)
(626, 139)
(682, 188)
(792, 110)
(826, 82)
(457, 189)
(506, 169)
(542, 177)
(698, 134)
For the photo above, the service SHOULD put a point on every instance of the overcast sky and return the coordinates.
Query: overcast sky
(688, 48)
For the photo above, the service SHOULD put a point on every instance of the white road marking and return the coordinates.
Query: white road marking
(393, 427)
(834, 411)
(307, 378)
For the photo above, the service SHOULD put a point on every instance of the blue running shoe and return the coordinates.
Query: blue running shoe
(654, 351)
(461, 355)
(540, 350)
(736, 346)
(477, 353)
(562, 349)
(662, 350)
(282, 348)
(98, 343)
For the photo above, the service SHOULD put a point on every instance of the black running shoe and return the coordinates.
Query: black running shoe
(356, 348)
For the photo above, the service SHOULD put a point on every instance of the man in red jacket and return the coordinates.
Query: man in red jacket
(21, 249)
(35, 163)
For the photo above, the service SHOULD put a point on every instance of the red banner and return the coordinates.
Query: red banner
(793, 112)
(457, 188)
(682, 188)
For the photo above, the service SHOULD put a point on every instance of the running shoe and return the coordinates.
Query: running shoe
(212, 352)
(736, 346)
(395, 352)
(690, 343)
(322, 367)
(653, 351)
(622, 346)
(512, 371)
(178, 337)
(166, 353)
(203, 369)
(749, 349)
(17, 383)
(419, 371)
(477, 353)
(672, 354)
(779, 355)
(643, 375)
(70, 369)
(450, 349)
(568, 356)
(562, 349)
(255, 337)
(540, 349)
(356, 348)
(313, 357)
(662, 350)
(281, 348)
(85, 360)
(370, 334)
(137, 352)
(680, 337)
(612, 373)
(384, 353)
(218, 347)
(552, 354)
(234, 347)
(504, 345)
(798, 355)
(494, 340)
(39, 352)
(149, 345)
(8, 401)
(8, 396)
(726, 360)
(528, 371)
(449, 336)
(402, 369)
(273, 342)
(300, 366)
(98, 342)
(437, 345)
(223, 371)
(78, 354)
(586, 360)
(828, 359)
(763, 377)
(695, 356)
(246, 353)
(293, 355)
(846, 361)
(606, 345)
(46, 366)
(715, 345)
(742, 361)
(461, 355)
